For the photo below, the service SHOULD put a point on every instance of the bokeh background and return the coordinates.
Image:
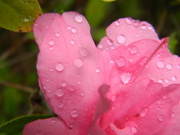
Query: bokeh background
(19, 92)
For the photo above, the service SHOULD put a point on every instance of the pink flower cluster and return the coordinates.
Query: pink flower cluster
(128, 85)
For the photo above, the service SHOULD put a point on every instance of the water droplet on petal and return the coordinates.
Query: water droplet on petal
(78, 18)
(97, 70)
(59, 67)
(126, 77)
(64, 84)
(160, 80)
(74, 114)
(161, 118)
(136, 34)
(174, 78)
(68, 27)
(160, 64)
(71, 88)
(120, 61)
(59, 93)
(143, 27)
(134, 129)
(51, 42)
(128, 20)
(178, 66)
(109, 41)
(150, 28)
(117, 23)
(60, 105)
(136, 23)
(144, 112)
(133, 49)
(73, 30)
(169, 66)
(83, 52)
(173, 114)
(78, 63)
(100, 46)
(143, 61)
(72, 42)
(121, 39)
(57, 34)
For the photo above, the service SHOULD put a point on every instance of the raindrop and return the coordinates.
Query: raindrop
(59, 93)
(160, 81)
(174, 78)
(128, 20)
(59, 67)
(51, 42)
(161, 118)
(134, 129)
(144, 112)
(100, 46)
(51, 69)
(83, 52)
(68, 27)
(120, 61)
(109, 41)
(136, 23)
(72, 42)
(169, 66)
(78, 63)
(143, 27)
(173, 114)
(57, 34)
(150, 28)
(178, 66)
(136, 34)
(64, 84)
(166, 81)
(71, 88)
(74, 114)
(97, 70)
(121, 39)
(133, 49)
(78, 18)
(126, 77)
(143, 61)
(117, 23)
(73, 30)
(60, 105)
(160, 64)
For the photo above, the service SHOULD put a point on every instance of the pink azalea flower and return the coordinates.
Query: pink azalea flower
(128, 85)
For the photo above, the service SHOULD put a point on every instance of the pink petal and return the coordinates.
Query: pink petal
(125, 31)
(173, 126)
(68, 66)
(142, 107)
(50, 126)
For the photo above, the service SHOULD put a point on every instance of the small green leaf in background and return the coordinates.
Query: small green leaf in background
(173, 42)
(96, 11)
(19, 15)
(108, 0)
(15, 126)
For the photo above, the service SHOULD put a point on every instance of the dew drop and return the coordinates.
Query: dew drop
(71, 88)
(97, 70)
(133, 50)
(59, 67)
(60, 105)
(57, 34)
(72, 42)
(178, 66)
(117, 23)
(73, 30)
(83, 52)
(169, 66)
(150, 28)
(144, 112)
(160, 64)
(100, 46)
(173, 114)
(78, 63)
(134, 129)
(136, 23)
(136, 34)
(128, 20)
(126, 77)
(174, 78)
(78, 18)
(51, 42)
(161, 118)
(160, 80)
(121, 39)
(74, 114)
(166, 81)
(120, 61)
(64, 84)
(143, 61)
(143, 27)
(109, 42)
(59, 93)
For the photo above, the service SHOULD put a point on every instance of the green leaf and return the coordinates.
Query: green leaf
(19, 15)
(96, 11)
(15, 126)
(173, 42)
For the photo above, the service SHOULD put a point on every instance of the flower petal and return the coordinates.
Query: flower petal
(52, 126)
(125, 31)
(68, 66)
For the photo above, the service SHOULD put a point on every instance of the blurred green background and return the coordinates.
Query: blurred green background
(19, 94)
